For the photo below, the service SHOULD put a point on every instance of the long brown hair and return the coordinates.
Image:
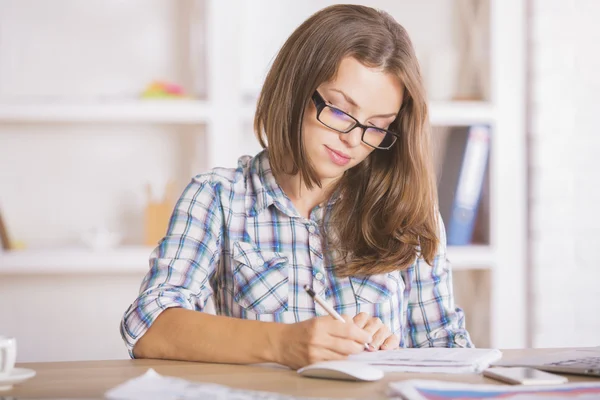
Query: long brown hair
(386, 214)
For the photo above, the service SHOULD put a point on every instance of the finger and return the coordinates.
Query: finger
(373, 325)
(344, 346)
(380, 336)
(391, 343)
(349, 331)
(361, 319)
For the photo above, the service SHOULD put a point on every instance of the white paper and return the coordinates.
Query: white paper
(431, 359)
(152, 385)
(439, 390)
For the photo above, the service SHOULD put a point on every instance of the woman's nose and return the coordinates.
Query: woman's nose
(352, 138)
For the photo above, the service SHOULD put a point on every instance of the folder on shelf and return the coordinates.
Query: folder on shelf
(462, 178)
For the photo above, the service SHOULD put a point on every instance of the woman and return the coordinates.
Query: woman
(342, 199)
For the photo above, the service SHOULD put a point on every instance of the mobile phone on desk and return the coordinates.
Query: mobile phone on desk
(524, 376)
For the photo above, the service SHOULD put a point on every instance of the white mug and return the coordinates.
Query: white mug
(8, 355)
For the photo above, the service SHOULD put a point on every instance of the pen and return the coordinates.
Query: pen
(329, 309)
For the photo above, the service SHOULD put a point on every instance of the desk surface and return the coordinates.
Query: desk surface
(94, 378)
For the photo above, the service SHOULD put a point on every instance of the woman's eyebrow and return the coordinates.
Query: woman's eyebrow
(351, 101)
(348, 98)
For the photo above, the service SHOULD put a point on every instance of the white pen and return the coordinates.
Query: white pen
(329, 310)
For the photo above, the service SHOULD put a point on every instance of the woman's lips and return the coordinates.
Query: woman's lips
(337, 157)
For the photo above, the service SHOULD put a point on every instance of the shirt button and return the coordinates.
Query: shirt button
(311, 229)
(318, 276)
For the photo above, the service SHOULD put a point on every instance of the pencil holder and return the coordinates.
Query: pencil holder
(157, 214)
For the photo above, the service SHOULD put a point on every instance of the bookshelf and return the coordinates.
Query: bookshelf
(132, 111)
(470, 257)
(197, 112)
(135, 258)
(121, 260)
(213, 127)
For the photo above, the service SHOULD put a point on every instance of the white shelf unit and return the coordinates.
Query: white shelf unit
(461, 113)
(128, 259)
(449, 113)
(177, 111)
(225, 114)
(472, 257)
(121, 260)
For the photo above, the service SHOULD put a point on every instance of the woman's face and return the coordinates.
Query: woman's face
(371, 96)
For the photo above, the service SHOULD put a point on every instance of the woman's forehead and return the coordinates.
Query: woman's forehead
(371, 89)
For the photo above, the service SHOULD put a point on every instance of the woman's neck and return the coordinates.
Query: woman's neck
(305, 199)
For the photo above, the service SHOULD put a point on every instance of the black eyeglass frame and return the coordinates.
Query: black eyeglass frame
(321, 104)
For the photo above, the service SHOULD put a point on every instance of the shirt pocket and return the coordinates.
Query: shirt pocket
(260, 279)
(376, 289)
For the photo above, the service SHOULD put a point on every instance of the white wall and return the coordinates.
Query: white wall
(565, 190)
(58, 181)
(433, 37)
(65, 49)
(66, 317)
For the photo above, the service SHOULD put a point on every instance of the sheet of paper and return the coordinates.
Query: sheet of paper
(432, 360)
(152, 385)
(438, 390)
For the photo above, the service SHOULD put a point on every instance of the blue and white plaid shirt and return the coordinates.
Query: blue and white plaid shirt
(236, 239)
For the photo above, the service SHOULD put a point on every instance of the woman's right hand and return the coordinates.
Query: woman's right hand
(319, 339)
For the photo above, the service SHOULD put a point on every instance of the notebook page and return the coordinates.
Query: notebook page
(432, 359)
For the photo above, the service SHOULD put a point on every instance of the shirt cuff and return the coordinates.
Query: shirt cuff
(462, 340)
(142, 314)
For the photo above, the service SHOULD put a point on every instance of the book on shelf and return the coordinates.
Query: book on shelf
(463, 172)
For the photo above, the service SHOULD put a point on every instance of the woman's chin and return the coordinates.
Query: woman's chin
(330, 173)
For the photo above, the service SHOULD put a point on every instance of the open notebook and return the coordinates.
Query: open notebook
(431, 360)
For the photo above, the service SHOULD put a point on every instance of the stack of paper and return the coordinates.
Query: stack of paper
(153, 386)
(437, 390)
(431, 359)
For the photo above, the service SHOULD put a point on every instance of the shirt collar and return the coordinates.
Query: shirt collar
(267, 190)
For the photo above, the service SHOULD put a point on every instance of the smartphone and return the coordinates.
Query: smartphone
(524, 376)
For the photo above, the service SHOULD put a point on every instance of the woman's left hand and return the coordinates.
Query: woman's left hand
(382, 336)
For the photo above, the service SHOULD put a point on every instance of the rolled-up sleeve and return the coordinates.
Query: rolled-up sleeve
(433, 320)
(182, 263)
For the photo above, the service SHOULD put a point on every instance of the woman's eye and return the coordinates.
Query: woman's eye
(339, 113)
(375, 126)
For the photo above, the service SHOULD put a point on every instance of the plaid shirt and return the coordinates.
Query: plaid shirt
(235, 240)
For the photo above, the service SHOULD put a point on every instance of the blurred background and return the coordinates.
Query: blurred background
(108, 108)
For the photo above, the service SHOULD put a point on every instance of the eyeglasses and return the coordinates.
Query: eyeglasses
(342, 122)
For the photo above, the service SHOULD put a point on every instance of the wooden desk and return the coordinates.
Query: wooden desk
(91, 379)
